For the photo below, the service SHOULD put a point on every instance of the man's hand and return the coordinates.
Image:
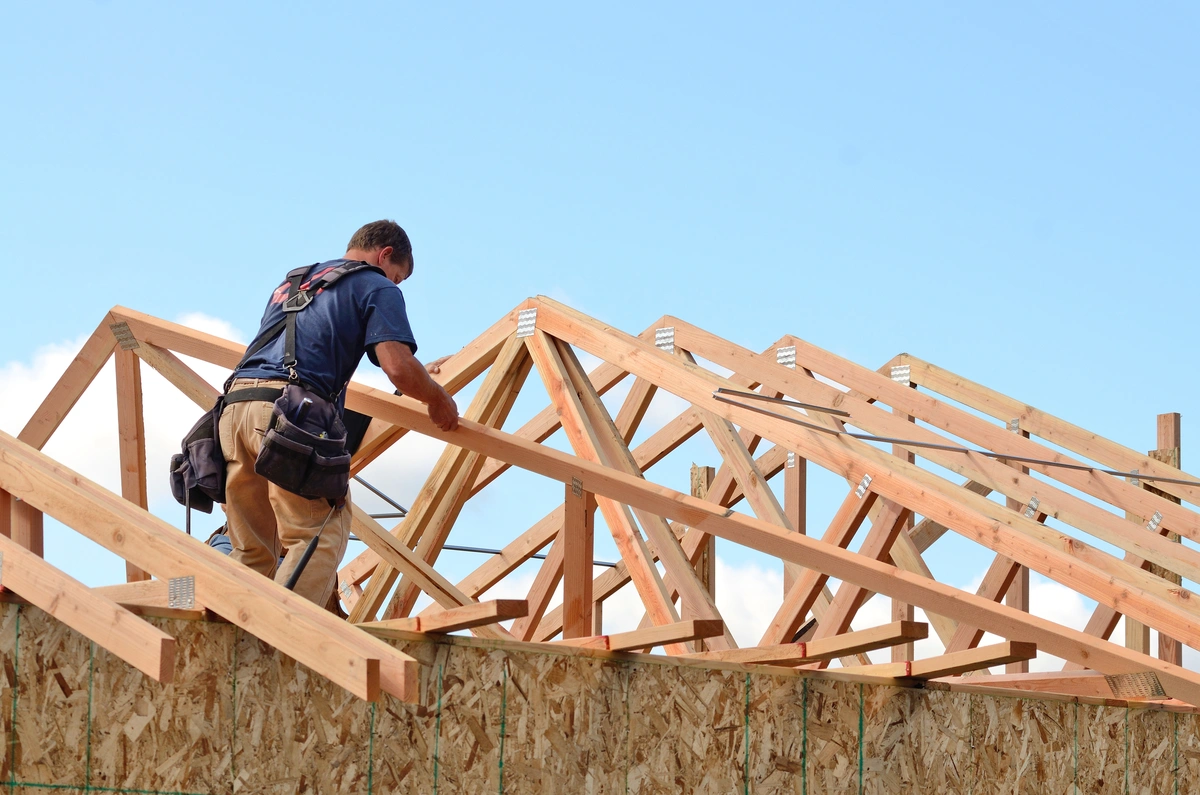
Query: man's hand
(435, 367)
(444, 413)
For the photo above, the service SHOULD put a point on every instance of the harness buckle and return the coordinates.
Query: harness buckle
(297, 302)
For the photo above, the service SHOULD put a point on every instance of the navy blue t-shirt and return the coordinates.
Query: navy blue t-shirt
(332, 333)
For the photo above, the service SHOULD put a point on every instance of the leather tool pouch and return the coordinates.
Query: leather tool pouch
(198, 470)
(304, 450)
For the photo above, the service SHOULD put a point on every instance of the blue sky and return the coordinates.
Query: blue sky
(1009, 192)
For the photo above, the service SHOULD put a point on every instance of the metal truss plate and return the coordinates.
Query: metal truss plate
(791, 460)
(124, 336)
(664, 339)
(526, 322)
(181, 592)
(1032, 508)
(1143, 684)
(577, 487)
(1154, 522)
(863, 485)
(1014, 424)
(902, 374)
(786, 356)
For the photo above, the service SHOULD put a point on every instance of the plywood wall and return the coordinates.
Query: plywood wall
(241, 718)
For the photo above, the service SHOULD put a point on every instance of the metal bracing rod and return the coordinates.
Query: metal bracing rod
(866, 437)
(485, 551)
(785, 401)
(403, 511)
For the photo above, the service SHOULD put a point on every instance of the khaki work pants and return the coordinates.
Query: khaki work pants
(266, 521)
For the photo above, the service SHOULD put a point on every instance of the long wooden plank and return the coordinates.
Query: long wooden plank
(1075, 564)
(929, 595)
(260, 606)
(455, 619)
(111, 626)
(952, 664)
(70, 386)
(1083, 683)
(859, 642)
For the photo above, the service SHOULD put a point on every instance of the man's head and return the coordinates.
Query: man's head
(385, 244)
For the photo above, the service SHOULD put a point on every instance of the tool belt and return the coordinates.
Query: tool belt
(306, 449)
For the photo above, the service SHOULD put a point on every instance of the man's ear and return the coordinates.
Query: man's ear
(385, 255)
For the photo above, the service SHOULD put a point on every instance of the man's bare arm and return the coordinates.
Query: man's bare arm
(410, 377)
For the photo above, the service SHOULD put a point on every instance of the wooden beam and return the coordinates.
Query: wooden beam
(362, 665)
(795, 507)
(677, 633)
(1169, 452)
(455, 619)
(850, 643)
(6, 506)
(952, 664)
(131, 434)
(1081, 683)
(111, 626)
(579, 509)
(902, 611)
(177, 372)
(545, 583)
(70, 386)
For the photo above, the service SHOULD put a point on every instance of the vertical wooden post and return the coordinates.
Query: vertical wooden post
(1017, 595)
(597, 618)
(578, 553)
(795, 507)
(706, 566)
(1169, 452)
(902, 611)
(27, 527)
(132, 439)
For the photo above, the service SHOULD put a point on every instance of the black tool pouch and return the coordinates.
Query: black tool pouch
(304, 450)
(198, 471)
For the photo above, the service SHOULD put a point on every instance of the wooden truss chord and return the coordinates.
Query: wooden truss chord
(455, 619)
(844, 645)
(953, 663)
(668, 634)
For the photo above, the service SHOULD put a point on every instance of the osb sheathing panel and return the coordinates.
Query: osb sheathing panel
(243, 718)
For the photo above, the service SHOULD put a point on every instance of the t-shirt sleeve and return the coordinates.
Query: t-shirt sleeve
(387, 320)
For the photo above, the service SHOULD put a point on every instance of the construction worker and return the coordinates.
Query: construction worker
(362, 312)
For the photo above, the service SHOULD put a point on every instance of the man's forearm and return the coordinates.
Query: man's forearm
(410, 377)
